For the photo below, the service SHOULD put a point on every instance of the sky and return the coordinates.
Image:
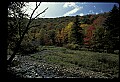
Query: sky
(60, 9)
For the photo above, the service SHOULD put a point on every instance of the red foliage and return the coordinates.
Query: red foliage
(91, 28)
(89, 35)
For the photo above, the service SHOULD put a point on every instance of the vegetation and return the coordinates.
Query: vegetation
(67, 41)
(72, 31)
(111, 26)
(17, 26)
(94, 61)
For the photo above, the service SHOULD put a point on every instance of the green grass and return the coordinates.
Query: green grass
(98, 62)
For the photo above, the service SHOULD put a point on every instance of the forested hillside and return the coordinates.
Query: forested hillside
(57, 31)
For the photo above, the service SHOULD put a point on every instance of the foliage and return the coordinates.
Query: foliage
(15, 23)
(72, 46)
(108, 64)
(98, 41)
(28, 48)
(70, 31)
(89, 36)
(63, 34)
(17, 26)
(76, 35)
(111, 26)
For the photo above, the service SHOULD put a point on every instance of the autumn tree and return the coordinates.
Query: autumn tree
(88, 37)
(58, 38)
(66, 32)
(98, 38)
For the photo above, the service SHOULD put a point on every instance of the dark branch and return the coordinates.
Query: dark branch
(39, 13)
(34, 10)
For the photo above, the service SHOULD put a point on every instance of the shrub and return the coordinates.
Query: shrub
(28, 48)
(73, 46)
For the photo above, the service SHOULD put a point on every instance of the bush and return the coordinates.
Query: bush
(73, 46)
(28, 48)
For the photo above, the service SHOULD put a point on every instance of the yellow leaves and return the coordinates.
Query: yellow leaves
(68, 27)
(84, 25)
(62, 34)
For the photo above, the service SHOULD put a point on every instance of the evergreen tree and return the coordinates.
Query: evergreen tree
(112, 29)
(76, 36)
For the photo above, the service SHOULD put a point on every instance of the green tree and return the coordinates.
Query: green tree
(98, 40)
(51, 34)
(111, 25)
(76, 36)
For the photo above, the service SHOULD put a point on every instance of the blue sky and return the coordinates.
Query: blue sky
(59, 9)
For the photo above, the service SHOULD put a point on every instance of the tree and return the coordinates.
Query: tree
(42, 35)
(88, 38)
(58, 38)
(99, 21)
(98, 40)
(51, 35)
(67, 32)
(76, 36)
(16, 26)
(112, 28)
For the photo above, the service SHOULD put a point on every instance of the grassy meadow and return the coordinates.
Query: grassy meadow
(93, 61)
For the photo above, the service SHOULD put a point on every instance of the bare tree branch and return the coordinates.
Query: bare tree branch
(36, 4)
(34, 10)
(40, 13)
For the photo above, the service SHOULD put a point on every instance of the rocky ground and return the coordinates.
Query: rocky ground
(26, 67)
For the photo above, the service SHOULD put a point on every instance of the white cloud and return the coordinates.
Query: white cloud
(71, 5)
(71, 12)
(81, 14)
